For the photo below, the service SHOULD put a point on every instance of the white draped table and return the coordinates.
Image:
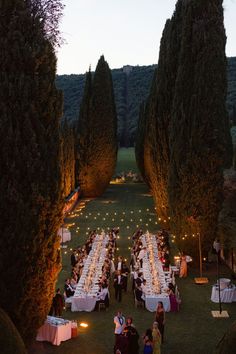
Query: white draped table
(54, 330)
(157, 284)
(85, 296)
(151, 302)
(227, 295)
(83, 303)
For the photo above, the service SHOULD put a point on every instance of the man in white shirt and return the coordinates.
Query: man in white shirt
(119, 321)
(119, 264)
(144, 287)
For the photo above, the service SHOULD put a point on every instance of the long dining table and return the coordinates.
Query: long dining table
(85, 295)
(156, 279)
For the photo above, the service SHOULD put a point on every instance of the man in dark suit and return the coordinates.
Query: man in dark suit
(118, 285)
(73, 258)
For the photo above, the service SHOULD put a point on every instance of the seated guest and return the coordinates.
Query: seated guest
(139, 279)
(141, 254)
(144, 286)
(68, 288)
(73, 283)
(103, 296)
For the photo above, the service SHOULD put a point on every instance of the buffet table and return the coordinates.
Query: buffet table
(64, 234)
(227, 295)
(54, 330)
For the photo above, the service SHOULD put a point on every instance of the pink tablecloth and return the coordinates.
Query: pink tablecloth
(54, 333)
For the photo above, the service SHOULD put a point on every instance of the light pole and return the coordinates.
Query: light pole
(200, 253)
(216, 246)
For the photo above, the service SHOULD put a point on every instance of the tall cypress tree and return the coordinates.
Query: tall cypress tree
(199, 136)
(97, 133)
(158, 115)
(68, 159)
(139, 141)
(83, 142)
(30, 185)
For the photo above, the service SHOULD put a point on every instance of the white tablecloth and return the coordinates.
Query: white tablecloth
(54, 333)
(151, 302)
(65, 234)
(227, 295)
(85, 297)
(86, 303)
(157, 283)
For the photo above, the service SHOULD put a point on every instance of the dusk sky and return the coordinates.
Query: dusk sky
(125, 31)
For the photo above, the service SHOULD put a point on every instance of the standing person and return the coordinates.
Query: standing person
(160, 319)
(120, 264)
(118, 284)
(183, 267)
(156, 335)
(73, 258)
(147, 341)
(58, 303)
(125, 273)
(68, 288)
(133, 336)
(119, 321)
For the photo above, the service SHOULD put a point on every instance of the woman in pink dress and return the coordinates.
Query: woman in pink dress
(183, 267)
(174, 306)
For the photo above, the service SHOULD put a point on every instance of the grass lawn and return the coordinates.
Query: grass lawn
(190, 331)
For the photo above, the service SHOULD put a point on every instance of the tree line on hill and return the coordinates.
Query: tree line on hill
(130, 89)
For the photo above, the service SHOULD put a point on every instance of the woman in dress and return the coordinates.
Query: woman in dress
(160, 319)
(133, 336)
(156, 335)
(147, 341)
(174, 306)
(183, 267)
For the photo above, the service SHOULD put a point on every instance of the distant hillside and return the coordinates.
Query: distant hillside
(131, 87)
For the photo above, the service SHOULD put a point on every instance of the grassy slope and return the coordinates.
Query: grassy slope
(190, 331)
